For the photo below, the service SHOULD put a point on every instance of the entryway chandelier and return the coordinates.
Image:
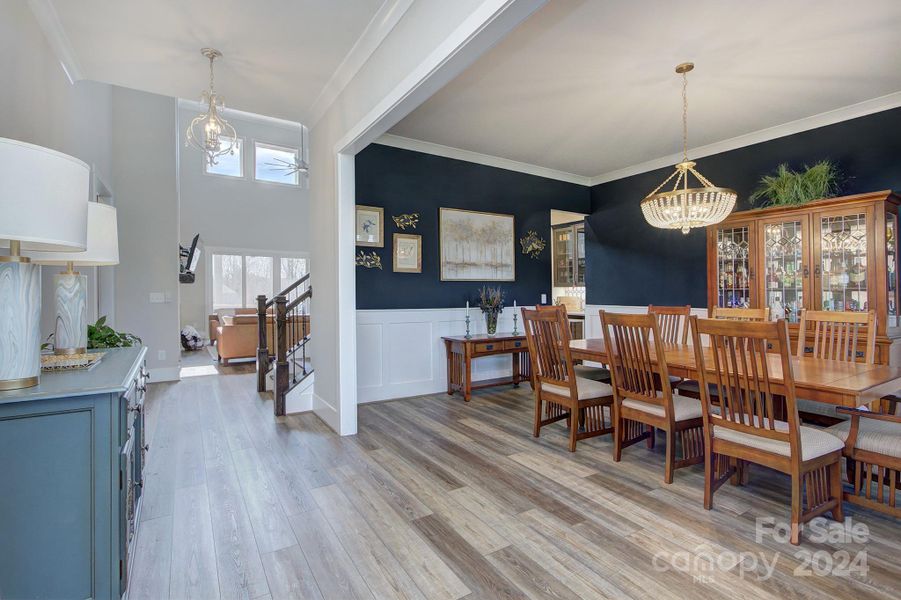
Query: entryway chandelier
(683, 207)
(210, 132)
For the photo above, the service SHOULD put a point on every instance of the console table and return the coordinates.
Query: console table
(462, 351)
(72, 453)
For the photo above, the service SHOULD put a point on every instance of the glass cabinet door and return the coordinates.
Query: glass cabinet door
(580, 253)
(564, 251)
(786, 267)
(734, 267)
(891, 263)
(842, 272)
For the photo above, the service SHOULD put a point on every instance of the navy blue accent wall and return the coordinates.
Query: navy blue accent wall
(403, 181)
(631, 263)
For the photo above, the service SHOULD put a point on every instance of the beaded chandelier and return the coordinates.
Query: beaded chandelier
(684, 207)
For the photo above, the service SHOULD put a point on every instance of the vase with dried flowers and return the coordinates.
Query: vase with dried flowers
(491, 301)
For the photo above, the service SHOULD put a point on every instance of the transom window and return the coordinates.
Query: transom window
(237, 279)
(276, 164)
(228, 165)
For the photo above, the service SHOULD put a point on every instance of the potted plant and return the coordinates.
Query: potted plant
(491, 301)
(101, 335)
(791, 188)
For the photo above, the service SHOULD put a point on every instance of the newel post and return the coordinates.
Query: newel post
(281, 354)
(262, 344)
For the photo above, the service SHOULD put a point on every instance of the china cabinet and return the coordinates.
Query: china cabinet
(833, 254)
(569, 254)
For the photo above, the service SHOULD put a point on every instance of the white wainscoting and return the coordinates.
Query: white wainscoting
(400, 352)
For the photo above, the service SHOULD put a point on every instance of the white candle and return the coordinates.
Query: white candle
(467, 308)
(514, 304)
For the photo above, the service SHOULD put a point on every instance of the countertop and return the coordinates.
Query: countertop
(113, 374)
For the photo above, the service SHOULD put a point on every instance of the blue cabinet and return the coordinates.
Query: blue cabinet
(70, 464)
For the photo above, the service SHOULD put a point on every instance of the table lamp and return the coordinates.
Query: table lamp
(43, 206)
(71, 332)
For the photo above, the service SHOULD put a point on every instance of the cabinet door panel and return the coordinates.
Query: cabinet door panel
(785, 267)
(891, 270)
(843, 270)
(735, 277)
(564, 255)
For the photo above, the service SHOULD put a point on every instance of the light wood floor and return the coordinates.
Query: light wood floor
(437, 499)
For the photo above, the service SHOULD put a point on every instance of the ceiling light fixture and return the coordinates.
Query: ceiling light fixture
(683, 207)
(210, 132)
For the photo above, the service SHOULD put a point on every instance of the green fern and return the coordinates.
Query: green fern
(791, 188)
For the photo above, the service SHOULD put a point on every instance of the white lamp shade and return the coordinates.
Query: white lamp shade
(103, 241)
(43, 197)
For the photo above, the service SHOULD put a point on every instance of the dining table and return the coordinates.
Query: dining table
(850, 384)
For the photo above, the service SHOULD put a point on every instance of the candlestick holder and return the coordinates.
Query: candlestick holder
(515, 332)
(468, 336)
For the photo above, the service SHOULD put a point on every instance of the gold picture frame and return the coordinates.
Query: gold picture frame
(407, 253)
(476, 245)
(367, 221)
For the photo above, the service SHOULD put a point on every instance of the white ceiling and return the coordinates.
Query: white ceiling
(587, 86)
(278, 54)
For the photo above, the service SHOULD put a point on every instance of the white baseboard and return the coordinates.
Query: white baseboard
(326, 412)
(162, 374)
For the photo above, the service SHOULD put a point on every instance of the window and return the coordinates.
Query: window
(275, 163)
(291, 270)
(229, 165)
(237, 279)
(228, 281)
(259, 278)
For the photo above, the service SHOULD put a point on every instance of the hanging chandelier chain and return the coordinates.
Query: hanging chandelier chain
(212, 58)
(685, 117)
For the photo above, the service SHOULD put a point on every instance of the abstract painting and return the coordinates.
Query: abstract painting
(476, 246)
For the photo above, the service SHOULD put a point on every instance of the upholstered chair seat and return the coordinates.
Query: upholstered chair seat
(588, 389)
(684, 408)
(595, 373)
(880, 437)
(814, 442)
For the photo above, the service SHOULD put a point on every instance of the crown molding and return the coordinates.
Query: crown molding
(846, 113)
(405, 143)
(381, 24)
(48, 21)
(234, 113)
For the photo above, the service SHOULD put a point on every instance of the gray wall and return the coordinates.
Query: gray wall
(230, 212)
(146, 188)
(38, 105)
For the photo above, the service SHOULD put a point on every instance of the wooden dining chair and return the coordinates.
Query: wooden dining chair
(596, 373)
(740, 314)
(672, 322)
(690, 387)
(743, 427)
(834, 335)
(640, 405)
(873, 456)
(587, 405)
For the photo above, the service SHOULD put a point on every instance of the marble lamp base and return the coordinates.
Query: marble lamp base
(20, 323)
(71, 336)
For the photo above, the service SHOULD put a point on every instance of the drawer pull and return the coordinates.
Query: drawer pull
(517, 344)
(489, 346)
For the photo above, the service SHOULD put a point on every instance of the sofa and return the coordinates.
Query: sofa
(237, 335)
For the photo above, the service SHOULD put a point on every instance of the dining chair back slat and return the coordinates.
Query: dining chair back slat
(835, 335)
(631, 339)
(739, 371)
(672, 322)
(547, 334)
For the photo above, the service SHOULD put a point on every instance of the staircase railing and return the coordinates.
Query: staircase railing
(285, 318)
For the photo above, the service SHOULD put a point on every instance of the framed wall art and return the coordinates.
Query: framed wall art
(370, 226)
(476, 246)
(407, 253)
